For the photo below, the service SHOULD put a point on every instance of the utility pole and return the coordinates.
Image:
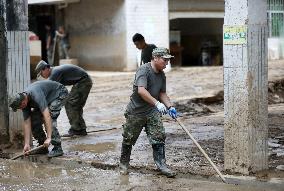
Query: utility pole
(14, 65)
(245, 85)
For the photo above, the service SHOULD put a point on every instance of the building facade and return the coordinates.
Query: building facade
(101, 30)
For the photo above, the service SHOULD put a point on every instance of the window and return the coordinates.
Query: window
(275, 16)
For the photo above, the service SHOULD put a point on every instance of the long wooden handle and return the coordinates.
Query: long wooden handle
(202, 151)
(28, 152)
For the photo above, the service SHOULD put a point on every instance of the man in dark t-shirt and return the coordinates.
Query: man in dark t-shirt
(81, 82)
(148, 102)
(146, 49)
(41, 103)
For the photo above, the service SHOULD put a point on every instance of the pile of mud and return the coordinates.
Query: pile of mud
(201, 106)
(4, 155)
(276, 92)
(276, 140)
(207, 105)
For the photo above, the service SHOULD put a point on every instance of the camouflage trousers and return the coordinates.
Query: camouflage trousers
(76, 101)
(37, 120)
(153, 127)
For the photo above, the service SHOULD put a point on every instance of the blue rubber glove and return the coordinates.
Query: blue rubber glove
(172, 112)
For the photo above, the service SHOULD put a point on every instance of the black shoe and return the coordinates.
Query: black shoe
(159, 158)
(56, 152)
(72, 133)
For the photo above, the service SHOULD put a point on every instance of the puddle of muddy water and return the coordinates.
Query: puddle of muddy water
(26, 176)
(94, 148)
(15, 173)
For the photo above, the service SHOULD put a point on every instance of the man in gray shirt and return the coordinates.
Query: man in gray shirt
(148, 102)
(146, 49)
(41, 103)
(81, 82)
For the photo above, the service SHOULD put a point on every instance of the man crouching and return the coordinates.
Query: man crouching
(41, 103)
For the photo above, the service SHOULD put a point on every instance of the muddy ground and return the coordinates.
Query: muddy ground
(197, 93)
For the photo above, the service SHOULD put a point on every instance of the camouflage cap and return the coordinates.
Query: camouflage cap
(16, 101)
(162, 52)
(40, 66)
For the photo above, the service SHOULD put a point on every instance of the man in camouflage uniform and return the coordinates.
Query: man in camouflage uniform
(68, 74)
(148, 101)
(41, 103)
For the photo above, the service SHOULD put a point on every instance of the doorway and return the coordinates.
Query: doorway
(201, 41)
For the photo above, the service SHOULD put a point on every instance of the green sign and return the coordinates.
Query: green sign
(235, 34)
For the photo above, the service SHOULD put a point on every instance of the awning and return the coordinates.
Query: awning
(31, 2)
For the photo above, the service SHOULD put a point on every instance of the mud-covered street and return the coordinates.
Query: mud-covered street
(90, 162)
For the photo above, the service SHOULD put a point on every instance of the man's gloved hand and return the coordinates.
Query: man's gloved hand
(172, 112)
(161, 108)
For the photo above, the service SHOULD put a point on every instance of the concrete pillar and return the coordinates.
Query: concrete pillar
(151, 19)
(15, 65)
(245, 85)
(4, 134)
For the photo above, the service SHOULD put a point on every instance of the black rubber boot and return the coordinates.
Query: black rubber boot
(56, 151)
(125, 158)
(72, 133)
(159, 158)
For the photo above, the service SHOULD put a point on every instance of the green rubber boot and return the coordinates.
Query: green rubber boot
(159, 158)
(125, 158)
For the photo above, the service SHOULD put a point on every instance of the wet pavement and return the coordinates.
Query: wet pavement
(90, 162)
(25, 176)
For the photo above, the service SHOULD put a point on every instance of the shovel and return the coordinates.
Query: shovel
(28, 152)
(202, 151)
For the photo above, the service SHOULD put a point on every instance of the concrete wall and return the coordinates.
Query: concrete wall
(97, 33)
(150, 18)
(15, 66)
(245, 88)
(196, 9)
(194, 5)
